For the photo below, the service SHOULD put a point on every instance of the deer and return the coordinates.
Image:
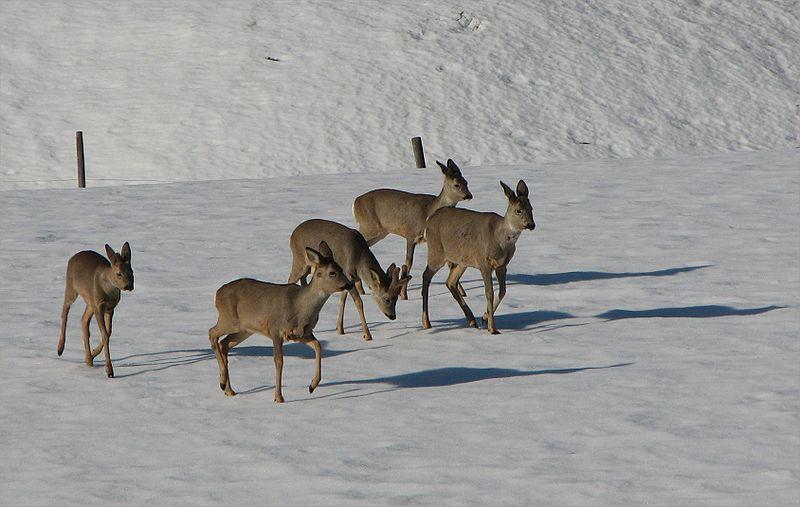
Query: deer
(99, 281)
(486, 241)
(281, 312)
(384, 211)
(359, 264)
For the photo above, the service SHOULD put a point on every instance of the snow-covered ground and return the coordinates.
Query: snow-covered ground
(649, 351)
(188, 90)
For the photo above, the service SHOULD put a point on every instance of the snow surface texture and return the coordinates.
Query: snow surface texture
(649, 351)
(208, 90)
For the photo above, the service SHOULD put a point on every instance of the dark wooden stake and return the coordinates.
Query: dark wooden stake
(81, 168)
(419, 154)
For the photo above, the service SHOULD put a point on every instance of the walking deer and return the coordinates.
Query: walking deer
(384, 211)
(98, 281)
(352, 252)
(278, 311)
(486, 241)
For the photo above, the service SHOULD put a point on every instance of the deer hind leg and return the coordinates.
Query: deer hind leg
(300, 271)
(225, 345)
(410, 246)
(456, 271)
(86, 319)
(461, 290)
(100, 317)
(360, 287)
(501, 281)
(489, 291)
(69, 297)
(373, 237)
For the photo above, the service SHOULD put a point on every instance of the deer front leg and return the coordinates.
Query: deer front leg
(501, 281)
(360, 307)
(410, 246)
(489, 291)
(312, 342)
(340, 322)
(87, 347)
(427, 276)
(109, 316)
(277, 356)
(101, 323)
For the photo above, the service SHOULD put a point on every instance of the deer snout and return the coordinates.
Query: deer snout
(468, 196)
(129, 287)
(531, 226)
(392, 316)
(347, 286)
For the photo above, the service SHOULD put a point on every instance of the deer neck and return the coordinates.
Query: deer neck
(366, 265)
(441, 201)
(506, 233)
(104, 278)
(312, 297)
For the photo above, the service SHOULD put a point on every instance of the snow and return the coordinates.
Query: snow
(649, 351)
(175, 91)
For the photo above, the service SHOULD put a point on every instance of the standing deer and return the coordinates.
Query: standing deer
(98, 281)
(383, 211)
(277, 311)
(486, 241)
(352, 252)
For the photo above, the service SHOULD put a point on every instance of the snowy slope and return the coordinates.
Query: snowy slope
(649, 351)
(213, 90)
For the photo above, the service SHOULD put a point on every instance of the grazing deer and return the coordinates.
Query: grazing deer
(277, 311)
(486, 241)
(383, 211)
(98, 281)
(352, 252)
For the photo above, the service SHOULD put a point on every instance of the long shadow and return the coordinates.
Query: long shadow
(692, 312)
(443, 377)
(520, 320)
(584, 276)
(163, 360)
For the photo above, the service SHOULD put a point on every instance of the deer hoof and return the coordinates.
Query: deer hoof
(310, 389)
(230, 392)
(110, 374)
(494, 331)
(367, 338)
(473, 323)
(279, 399)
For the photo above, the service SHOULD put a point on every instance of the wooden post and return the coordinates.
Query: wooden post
(81, 168)
(419, 154)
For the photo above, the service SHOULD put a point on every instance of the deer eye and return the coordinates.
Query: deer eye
(332, 274)
(519, 212)
(119, 275)
(386, 300)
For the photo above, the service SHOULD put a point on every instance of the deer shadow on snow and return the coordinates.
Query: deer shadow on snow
(156, 361)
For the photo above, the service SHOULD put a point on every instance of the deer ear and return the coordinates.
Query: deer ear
(313, 256)
(522, 189)
(444, 168)
(376, 278)
(452, 166)
(111, 254)
(125, 253)
(325, 250)
(509, 193)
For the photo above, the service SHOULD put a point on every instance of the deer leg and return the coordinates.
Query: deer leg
(213, 336)
(427, 276)
(452, 283)
(501, 281)
(69, 298)
(314, 344)
(489, 291)
(360, 307)
(277, 356)
(460, 287)
(299, 272)
(340, 322)
(87, 347)
(360, 287)
(225, 345)
(109, 318)
(410, 246)
(372, 239)
(101, 323)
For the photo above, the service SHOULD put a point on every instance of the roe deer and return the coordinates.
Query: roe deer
(351, 251)
(98, 281)
(486, 241)
(383, 211)
(277, 311)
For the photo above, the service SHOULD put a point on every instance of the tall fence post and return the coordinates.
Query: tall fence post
(419, 154)
(81, 167)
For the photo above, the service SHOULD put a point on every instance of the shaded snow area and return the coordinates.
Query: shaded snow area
(185, 90)
(649, 351)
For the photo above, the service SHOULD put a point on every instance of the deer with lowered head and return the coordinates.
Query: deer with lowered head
(384, 211)
(486, 241)
(99, 281)
(352, 252)
(278, 311)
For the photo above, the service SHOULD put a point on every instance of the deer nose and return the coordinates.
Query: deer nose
(392, 316)
(468, 196)
(532, 226)
(347, 286)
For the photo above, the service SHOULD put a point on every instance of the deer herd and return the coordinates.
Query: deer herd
(338, 259)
